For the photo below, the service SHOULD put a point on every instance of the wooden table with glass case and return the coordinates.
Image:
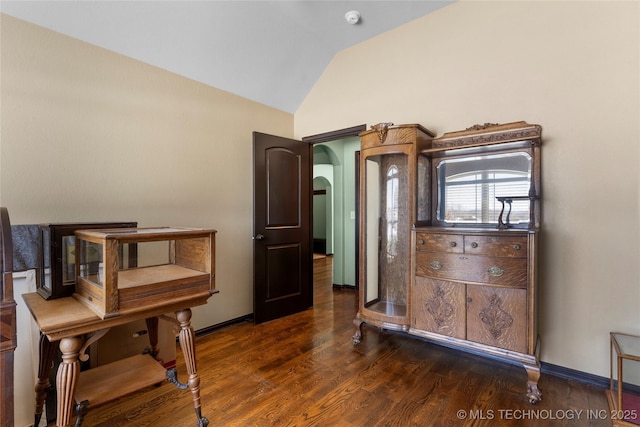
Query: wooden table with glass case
(108, 294)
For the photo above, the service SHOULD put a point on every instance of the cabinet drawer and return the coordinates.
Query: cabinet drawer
(473, 268)
(499, 246)
(439, 242)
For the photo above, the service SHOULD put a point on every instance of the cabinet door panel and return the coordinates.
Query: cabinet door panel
(439, 307)
(497, 317)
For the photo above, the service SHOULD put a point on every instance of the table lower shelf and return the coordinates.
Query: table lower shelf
(108, 382)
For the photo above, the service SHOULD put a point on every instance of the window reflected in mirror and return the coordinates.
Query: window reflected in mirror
(392, 211)
(467, 188)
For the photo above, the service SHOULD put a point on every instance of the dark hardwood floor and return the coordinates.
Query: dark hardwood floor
(303, 370)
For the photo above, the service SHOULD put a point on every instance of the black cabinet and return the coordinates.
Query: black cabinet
(57, 272)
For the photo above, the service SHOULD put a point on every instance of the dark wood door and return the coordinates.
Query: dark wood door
(282, 255)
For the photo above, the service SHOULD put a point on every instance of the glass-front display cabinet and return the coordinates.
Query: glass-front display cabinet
(622, 396)
(390, 164)
(449, 238)
(170, 264)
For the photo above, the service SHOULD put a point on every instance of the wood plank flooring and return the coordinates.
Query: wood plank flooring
(303, 370)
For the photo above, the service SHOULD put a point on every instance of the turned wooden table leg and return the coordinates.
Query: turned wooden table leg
(67, 378)
(187, 344)
(46, 352)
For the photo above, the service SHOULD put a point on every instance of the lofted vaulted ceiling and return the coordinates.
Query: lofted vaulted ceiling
(271, 52)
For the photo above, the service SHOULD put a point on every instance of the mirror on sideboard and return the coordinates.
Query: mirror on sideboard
(487, 176)
(469, 187)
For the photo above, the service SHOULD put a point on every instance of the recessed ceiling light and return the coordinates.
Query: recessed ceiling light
(352, 17)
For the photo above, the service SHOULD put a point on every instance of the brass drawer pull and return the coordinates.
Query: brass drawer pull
(435, 265)
(496, 271)
(474, 244)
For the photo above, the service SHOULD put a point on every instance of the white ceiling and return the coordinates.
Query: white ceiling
(271, 52)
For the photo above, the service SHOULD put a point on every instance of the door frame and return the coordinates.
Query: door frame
(333, 136)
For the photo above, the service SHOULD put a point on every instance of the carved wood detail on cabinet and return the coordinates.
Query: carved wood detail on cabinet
(439, 306)
(493, 289)
(497, 317)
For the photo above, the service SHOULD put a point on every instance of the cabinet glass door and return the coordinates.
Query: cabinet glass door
(386, 233)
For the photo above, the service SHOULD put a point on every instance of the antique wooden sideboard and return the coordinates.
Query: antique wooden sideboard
(449, 238)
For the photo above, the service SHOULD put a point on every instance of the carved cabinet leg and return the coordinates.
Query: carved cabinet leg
(67, 378)
(357, 336)
(187, 344)
(533, 375)
(47, 351)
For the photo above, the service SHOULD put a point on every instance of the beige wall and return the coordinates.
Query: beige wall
(90, 135)
(572, 67)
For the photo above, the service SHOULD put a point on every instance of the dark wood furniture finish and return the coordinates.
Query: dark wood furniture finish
(335, 135)
(57, 258)
(473, 279)
(283, 231)
(8, 336)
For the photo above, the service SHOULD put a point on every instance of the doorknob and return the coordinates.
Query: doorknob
(259, 237)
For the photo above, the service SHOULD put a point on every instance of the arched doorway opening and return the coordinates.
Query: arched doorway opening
(334, 205)
(322, 213)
